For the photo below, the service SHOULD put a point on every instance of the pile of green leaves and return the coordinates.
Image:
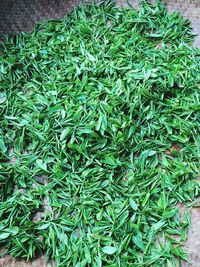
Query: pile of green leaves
(99, 137)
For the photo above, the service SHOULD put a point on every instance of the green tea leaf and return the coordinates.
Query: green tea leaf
(109, 250)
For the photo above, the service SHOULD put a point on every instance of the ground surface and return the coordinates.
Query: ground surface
(189, 9)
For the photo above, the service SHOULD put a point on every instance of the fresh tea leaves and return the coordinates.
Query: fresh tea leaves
(99, 137)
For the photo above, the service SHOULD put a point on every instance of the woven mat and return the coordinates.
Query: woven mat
(22, 15)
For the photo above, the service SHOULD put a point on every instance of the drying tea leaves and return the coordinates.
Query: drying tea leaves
(99, 137)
